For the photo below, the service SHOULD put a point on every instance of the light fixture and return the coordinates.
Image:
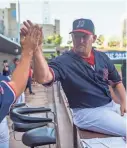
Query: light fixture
(16, 50)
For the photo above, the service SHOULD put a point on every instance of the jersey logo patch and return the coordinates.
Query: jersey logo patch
(105, 74)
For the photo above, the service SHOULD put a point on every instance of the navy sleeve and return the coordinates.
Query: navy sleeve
(4, 78)
(57, 69)
(7, 98)
(113, 75)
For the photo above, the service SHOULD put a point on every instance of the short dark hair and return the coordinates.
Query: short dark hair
(5, 61)
(16, 59)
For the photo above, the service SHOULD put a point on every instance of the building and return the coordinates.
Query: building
(8, 23)
(124, 31)
(50, 29)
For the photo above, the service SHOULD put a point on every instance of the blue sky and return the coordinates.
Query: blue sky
(106, 14)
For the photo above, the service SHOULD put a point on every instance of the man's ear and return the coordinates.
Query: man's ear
(94, 38)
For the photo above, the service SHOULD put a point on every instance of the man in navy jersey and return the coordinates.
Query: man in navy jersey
(85, 75)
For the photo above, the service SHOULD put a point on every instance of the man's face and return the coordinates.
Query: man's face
(16, 62)
(5, 63)
(83, 42)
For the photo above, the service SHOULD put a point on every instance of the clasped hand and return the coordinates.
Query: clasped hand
(30, 37)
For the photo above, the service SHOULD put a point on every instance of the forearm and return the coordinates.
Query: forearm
(41, 68)
(114, 96)
(20, 74)
(121, 92)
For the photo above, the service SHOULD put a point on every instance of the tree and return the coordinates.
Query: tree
(56, 39)
(100, 40)
(50, 39)
(114, 42)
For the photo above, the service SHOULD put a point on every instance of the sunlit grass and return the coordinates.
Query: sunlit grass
(118, 67)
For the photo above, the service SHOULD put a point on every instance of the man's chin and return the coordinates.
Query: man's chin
(81, 50)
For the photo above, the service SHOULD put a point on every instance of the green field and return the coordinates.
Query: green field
(118, 67)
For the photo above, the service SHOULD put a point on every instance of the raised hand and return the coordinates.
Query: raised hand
(22, 39)
(30, 42)
(27, 27)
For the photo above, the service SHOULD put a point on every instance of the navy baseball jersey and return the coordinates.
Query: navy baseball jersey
(7, 97)
(85, 86)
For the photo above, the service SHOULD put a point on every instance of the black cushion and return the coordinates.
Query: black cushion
(17, 115)
(24, 127)
(39, 137)
(31, 110)
(29, 119)
(19, 105)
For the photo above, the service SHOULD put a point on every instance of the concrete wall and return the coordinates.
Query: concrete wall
(48, 30)
(124, 33)
(4, 56)
(6, 24)
(57, 26)
(9, 19)
(12, 28)
(2, 17)
(1, 27)
(1, 13)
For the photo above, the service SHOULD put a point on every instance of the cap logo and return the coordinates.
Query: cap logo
(80, 23)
